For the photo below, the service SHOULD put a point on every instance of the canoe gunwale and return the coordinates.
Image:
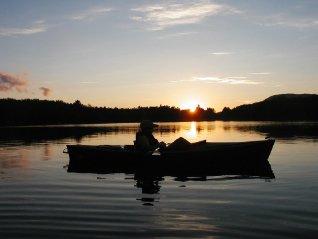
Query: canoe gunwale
(261, 149)
(208, 147)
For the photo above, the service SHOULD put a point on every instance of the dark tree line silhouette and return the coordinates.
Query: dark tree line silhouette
(34, 111)
(288, 107)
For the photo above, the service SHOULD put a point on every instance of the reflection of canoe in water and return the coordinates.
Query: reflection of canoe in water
(239, 158)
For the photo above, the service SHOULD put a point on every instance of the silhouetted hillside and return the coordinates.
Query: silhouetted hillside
(285, 107)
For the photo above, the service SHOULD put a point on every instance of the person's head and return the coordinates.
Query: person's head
(147, 126)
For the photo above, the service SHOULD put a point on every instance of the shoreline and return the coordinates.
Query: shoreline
(137, 122)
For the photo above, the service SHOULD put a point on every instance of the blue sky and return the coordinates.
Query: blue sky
(130, 53)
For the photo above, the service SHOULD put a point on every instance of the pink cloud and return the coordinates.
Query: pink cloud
(9, 82)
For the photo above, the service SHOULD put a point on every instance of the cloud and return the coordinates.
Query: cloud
(228, 80)
(221, 53)
(10, 82)
(289, 21)
(90, 13)
(45, 91)
(37, 27)
(41, 26)
(260, 73)
(237, 77)
(177, 34)
(234, 80)
(88, 82)
(161, 16)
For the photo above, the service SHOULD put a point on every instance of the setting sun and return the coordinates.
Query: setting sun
(191, 105)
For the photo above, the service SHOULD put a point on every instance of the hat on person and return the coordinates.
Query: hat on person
(147, 124)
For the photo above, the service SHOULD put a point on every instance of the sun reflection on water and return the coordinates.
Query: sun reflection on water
(192, 132)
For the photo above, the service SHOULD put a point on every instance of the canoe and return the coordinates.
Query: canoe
(230, 158)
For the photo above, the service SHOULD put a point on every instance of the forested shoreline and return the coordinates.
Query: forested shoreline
(286, 107)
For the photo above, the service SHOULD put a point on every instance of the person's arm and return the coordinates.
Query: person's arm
(155, 143)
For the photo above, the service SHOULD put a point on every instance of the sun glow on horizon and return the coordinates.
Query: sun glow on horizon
(191, 105)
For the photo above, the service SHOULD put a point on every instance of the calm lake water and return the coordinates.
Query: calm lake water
(40, 199)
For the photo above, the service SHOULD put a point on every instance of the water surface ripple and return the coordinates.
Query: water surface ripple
(40, 199)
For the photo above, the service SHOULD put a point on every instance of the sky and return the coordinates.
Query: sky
(147, 53)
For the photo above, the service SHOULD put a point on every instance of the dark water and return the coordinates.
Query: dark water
(40, 199)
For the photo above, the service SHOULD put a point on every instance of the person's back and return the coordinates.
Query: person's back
(145, 141)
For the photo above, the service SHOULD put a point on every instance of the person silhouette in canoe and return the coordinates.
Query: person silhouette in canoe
(145, 141)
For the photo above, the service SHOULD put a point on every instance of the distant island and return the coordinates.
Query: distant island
(284, 107)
